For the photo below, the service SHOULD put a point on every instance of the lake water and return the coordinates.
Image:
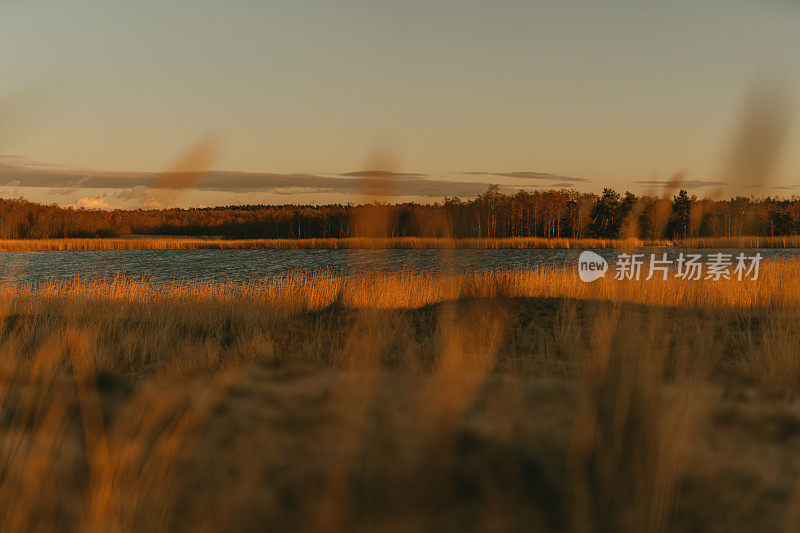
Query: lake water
(167, 265)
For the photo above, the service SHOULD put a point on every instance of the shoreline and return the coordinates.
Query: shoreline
(379, 243)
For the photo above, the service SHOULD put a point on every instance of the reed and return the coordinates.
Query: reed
(178, 243)
(787, 241)
(518, 243)
(313, 290)
(322, 401)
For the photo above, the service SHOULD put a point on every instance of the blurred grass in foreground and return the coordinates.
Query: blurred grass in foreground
(490, 401)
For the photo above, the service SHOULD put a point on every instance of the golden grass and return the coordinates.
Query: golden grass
(522, 243)
(787, 241)
(313, 290)
(177, 243)
(493, 400)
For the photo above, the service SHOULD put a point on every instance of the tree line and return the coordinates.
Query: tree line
(548, 214)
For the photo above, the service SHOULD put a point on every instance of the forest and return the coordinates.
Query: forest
(546, 214)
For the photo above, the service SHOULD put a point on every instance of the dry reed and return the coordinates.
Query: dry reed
(492, 400)
(182, 243)
(522, 243)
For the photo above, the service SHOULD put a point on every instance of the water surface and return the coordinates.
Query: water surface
(169, 265)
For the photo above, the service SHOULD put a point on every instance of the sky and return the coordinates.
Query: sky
(301, 101)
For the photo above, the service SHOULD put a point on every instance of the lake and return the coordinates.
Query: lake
(169, 265)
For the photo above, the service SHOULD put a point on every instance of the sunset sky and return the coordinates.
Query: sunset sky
(291, 101)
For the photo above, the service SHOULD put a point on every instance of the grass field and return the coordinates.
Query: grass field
(195, 243)
(495, 401)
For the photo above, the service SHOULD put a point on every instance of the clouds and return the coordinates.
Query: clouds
(381, 174)
(541, 176)
(73, 187)
(684, 184)
(94, 202)
(147, 189)
(141, 195)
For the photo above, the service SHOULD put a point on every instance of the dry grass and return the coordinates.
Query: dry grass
(313, 290)
(523, 243)
(489, 401)
(787, 241)
(178, 243)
